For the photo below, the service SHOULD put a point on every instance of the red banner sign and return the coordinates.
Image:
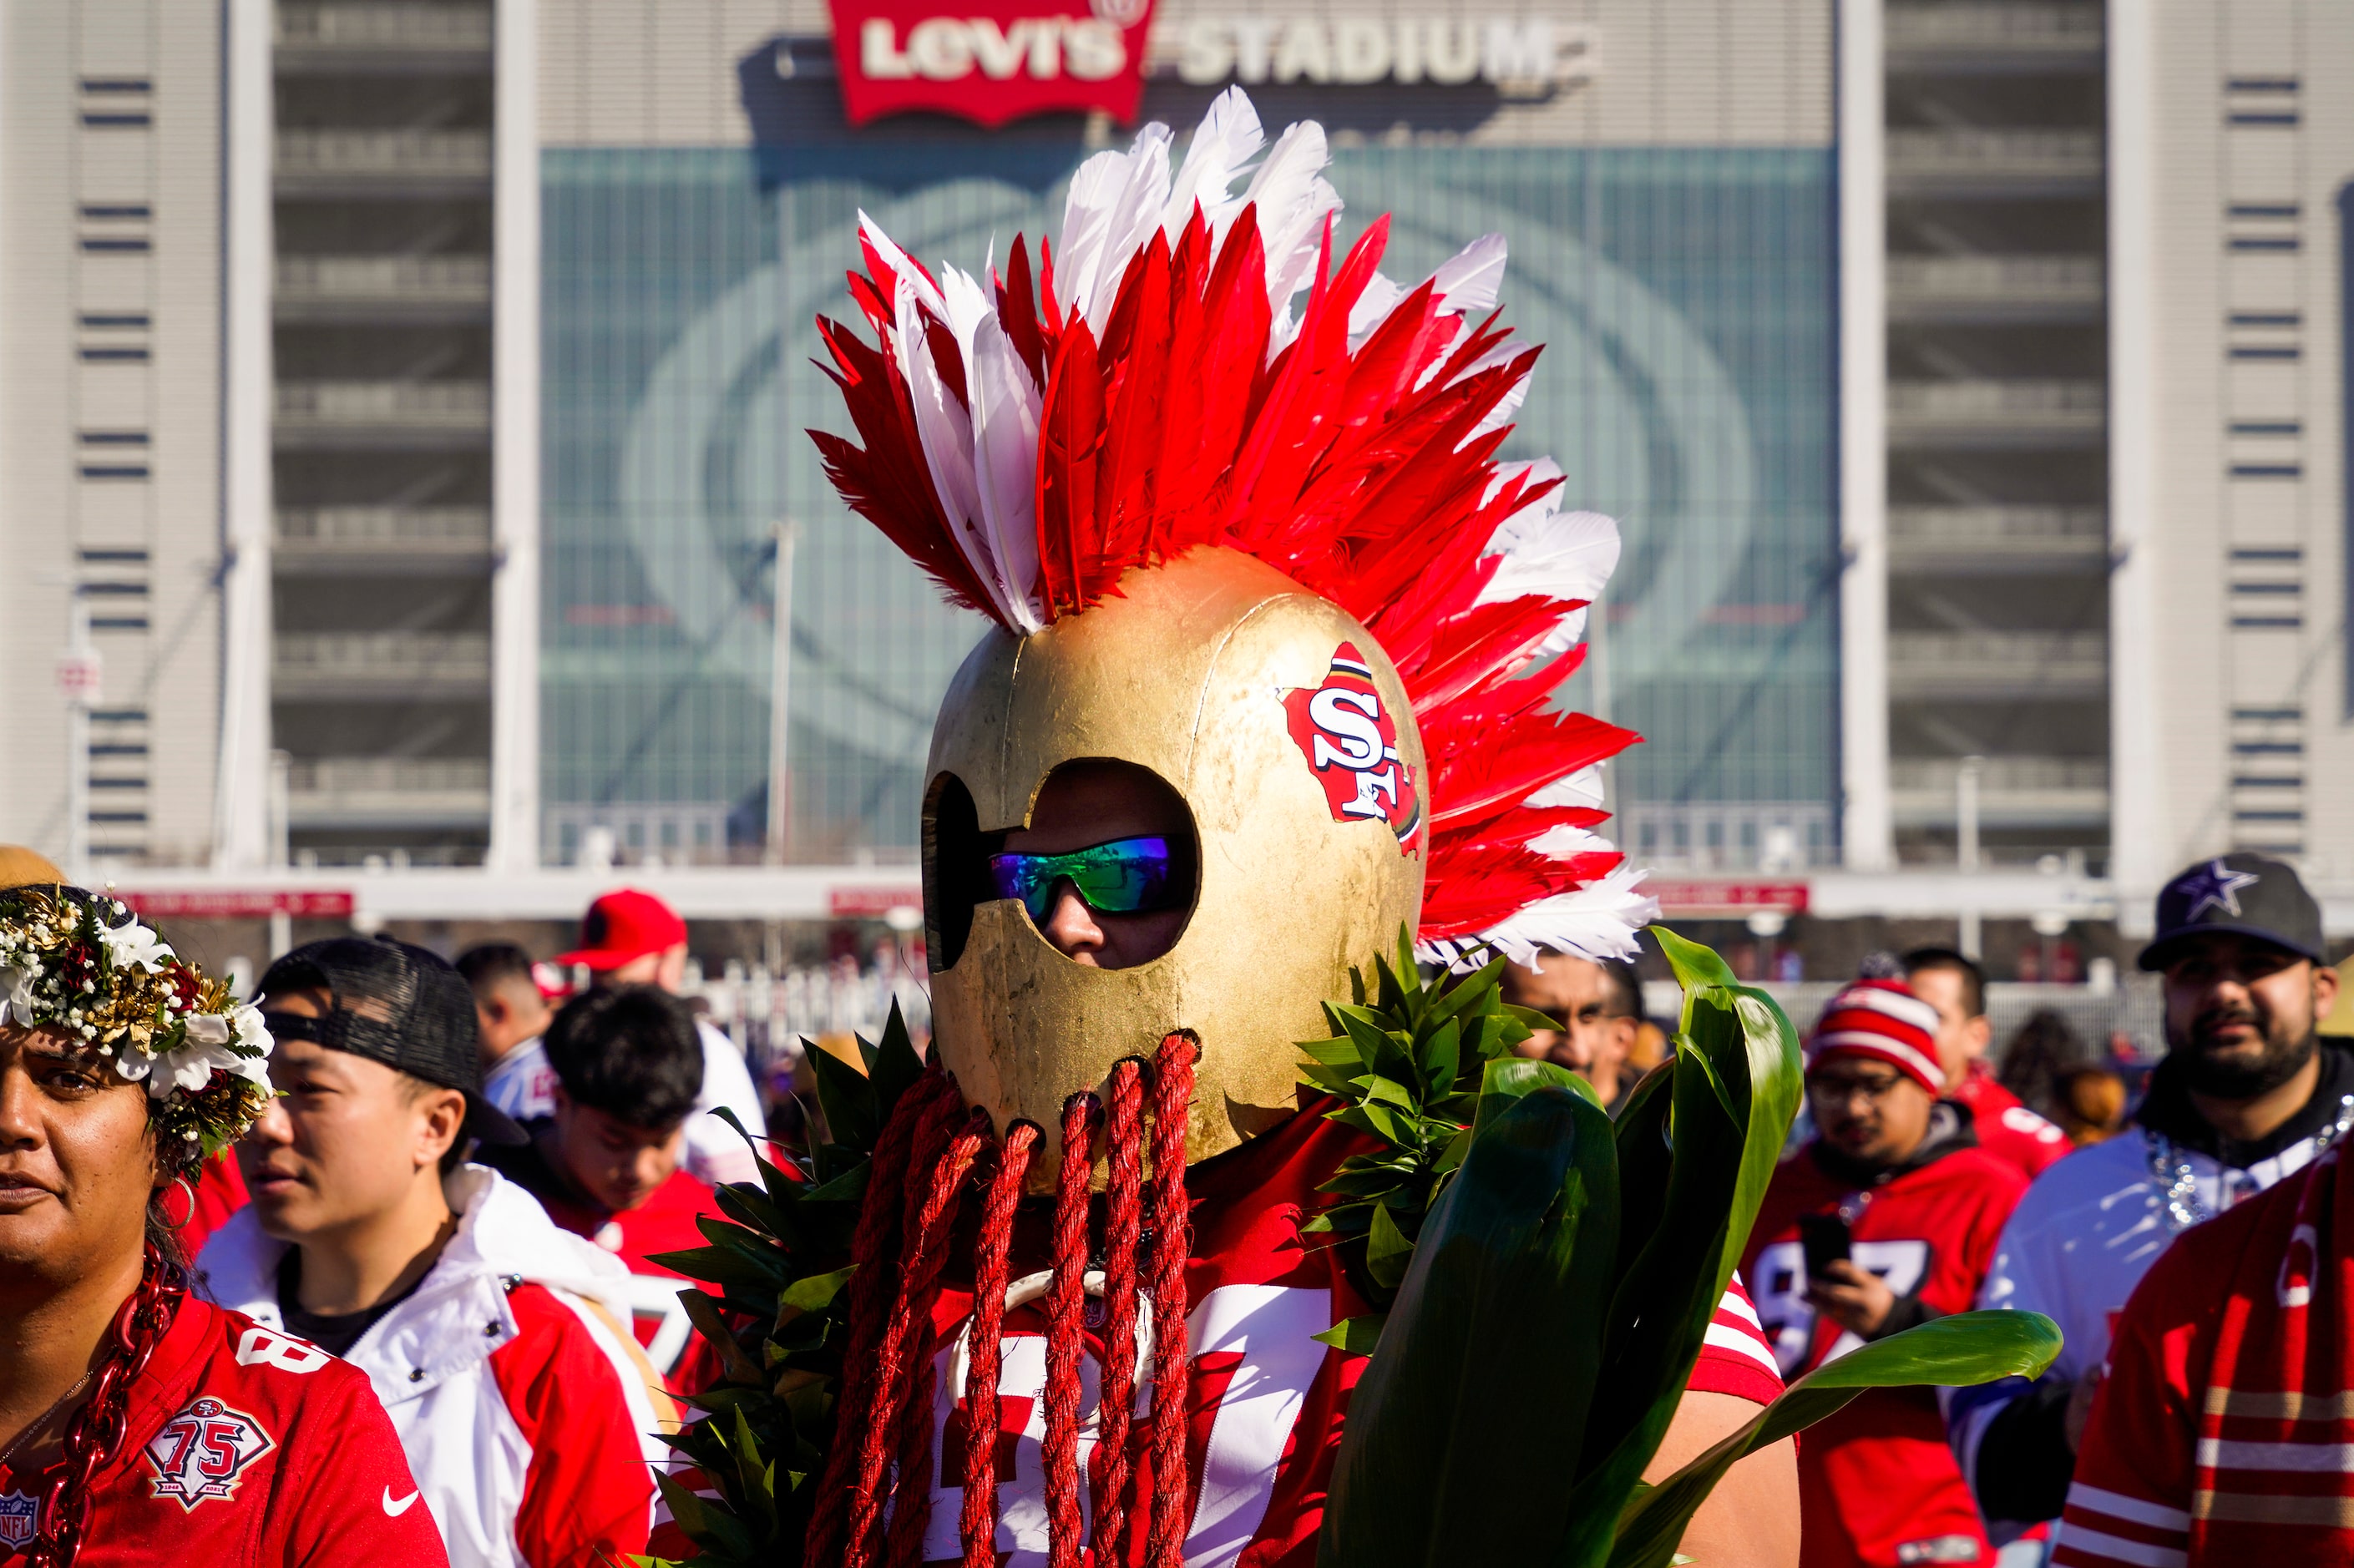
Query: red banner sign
(217, 903)
(991, 62)
(870, 903)
(1727, 897)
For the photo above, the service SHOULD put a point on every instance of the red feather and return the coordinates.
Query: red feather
(1356, 472)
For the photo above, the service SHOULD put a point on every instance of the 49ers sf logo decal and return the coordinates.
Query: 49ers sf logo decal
(203, 1451)
(1349, 738)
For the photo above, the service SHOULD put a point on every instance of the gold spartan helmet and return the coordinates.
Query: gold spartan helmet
(1259, 704)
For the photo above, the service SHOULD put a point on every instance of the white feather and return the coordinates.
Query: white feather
(947, 434)
(903, 266)
(1135, 216)
(1228, 137)
(1471, 280)
(1086, 224)
(1382, 295)
(1293, 200)
(1005, 415)
(1564, 841)
(1597, 921)
(1583, 787)
(1560, 554)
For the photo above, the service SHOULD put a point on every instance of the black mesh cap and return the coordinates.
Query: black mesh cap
(396, 1004)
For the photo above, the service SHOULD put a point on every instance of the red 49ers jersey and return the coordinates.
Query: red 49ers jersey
(2007, 1129)
(244, 1448)
(1268, 1400)
(1877, 1484)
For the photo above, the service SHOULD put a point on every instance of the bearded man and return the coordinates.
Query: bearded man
(2250, 1093)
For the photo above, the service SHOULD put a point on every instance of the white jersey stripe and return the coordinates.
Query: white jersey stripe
(2078, 1541)
(2134, 1511)
(1742, 1344)
(2304, 1458)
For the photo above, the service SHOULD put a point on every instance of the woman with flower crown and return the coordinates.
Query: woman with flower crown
(138, 1424)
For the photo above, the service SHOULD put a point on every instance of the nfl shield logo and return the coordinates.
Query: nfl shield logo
(18, 1514)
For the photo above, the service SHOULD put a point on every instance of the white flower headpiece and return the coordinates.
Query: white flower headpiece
(80, 963)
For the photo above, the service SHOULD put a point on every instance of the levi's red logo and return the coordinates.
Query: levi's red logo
(1350, 739)
(203, 1451)
(991, 61)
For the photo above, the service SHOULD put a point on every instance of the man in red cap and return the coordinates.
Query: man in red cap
(1887, 1219)
(631, 938)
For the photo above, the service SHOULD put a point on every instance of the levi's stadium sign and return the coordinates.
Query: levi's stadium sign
(992, 62)
(1522, 52)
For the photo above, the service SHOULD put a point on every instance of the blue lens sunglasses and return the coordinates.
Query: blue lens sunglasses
(1126, 876)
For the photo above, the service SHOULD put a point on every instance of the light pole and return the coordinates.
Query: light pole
(777, 850)
(1966, 847)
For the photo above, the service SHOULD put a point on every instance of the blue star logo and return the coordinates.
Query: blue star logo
(2217, 887)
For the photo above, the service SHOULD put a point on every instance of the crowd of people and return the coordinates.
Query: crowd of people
(1919, 1185)
(462, 1188)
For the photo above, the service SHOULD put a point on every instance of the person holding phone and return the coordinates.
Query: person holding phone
(1887, 1218)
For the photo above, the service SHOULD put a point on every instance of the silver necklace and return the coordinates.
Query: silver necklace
(2172, 1170)
(43, 1418)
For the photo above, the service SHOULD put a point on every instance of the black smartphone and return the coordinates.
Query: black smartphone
(1826, 1238)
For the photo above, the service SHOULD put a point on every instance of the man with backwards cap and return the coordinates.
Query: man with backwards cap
(1886, 1219)
(631, 938)
(522, 1406)
(2248, 1094)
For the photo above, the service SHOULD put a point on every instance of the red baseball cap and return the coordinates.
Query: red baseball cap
(622, 927)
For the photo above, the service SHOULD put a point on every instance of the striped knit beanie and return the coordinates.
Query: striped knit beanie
(1883, 1020)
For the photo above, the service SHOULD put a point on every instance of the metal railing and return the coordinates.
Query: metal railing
(1994, 279)
(408, 154)
(422, 28)
(407, 405)
(1997, 405)
(1995, 526)
(439, 528)
(769, 1015)
(418, 791)
(368, 660)
(389, 775)
(2000, 775)
(1924, 662)
(1981, 154)
(2023, 26)
(390, 279)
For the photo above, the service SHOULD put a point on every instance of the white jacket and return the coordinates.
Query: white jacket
(430, 1357)
(2077, 1245)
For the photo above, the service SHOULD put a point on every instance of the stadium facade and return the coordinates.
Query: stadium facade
(404, 456)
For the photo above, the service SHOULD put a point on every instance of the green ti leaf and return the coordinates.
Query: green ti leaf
(1436, 1465)
(1957, 1351)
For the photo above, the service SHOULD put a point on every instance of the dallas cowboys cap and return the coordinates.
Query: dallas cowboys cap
(2248, 894)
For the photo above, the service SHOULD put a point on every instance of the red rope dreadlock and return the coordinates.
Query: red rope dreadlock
(1123, 1222)
(977, 1526)
(1065, 1304)
(911, 1499)
(932, 1135)
(876, 1242)
(885, 1434)
(1172, 1089)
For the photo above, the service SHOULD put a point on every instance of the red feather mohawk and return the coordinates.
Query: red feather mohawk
(1149, 390)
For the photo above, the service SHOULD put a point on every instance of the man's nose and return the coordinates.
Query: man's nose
(1071, 926)
(273, 1126)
